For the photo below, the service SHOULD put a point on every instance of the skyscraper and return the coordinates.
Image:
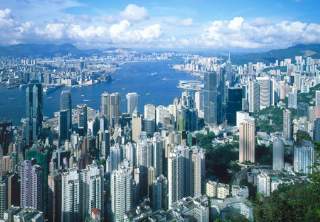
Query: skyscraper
(149, 119)
(265, 91)
(136, 127)
(31, 188)
(115, 108)
(121, 192)
(70, 207)
(303, 157)
(105, 107)
(318, 98)
(198, 171)
(287, 125)
(66, 104)
(253, 96)
(234, 104)
(63, 125)
(179, 171)
(92, 191)
(158, 149)
(34, 111)
(83, 119)
(213, 97)
(278, 154)
(110, 108)
(247, 140)
(132, 102)
(316, 130)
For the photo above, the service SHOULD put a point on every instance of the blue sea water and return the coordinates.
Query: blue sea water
(155, 82)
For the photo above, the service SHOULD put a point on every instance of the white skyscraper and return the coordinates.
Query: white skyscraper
(198, 171)
(253, 96)
(92, 188)
(70, 206)
(121, 192)
(247, 140)
(132, 102)
(303, 157)
(265, 91)
(278, 154)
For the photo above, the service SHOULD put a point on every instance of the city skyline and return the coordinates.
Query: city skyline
(216, 25)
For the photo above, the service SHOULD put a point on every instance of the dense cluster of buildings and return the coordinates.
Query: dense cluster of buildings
(116, 165)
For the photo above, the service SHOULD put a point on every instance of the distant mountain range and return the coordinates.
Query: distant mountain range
(43, 50)
(50, 50)
(305, 50)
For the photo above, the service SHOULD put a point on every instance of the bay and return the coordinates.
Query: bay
(155, 82)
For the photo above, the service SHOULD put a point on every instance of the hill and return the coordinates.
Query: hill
(305, 50)
(43, 50)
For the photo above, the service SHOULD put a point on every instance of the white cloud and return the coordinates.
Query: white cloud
(239, 33)
(164, 32)
(134, 13)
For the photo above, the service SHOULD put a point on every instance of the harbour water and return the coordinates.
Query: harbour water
(155, 82)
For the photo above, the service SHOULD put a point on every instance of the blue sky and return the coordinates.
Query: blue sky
(171, 24)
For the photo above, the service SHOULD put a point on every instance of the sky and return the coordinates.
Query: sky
(162, 24)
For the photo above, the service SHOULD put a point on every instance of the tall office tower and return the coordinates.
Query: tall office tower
(229, 72)
(136, 125)
(159, 193)
(103, 143)
(265, 91)
(316, 130)
(247, 133)
(318, 98)
(293, 99)
(213, 97)
(283, 90)
(121, 192)
(66, 104)
(3, 196)
(144, 161)
(198, 99)
(13, 190)
(234, 104)
(158, 150)
(149, 119)
(210, 98)
(105, 108)
(278, 154)
(179, 171)
(31, 188)
(287, 125)
(303, 157)
(34, 109)
(92, 188)
(198, 171)
(70, 207)
(54, 196)
(63, 125)
(130, 154)
(253, 96)
(163, 117)
(132, 102)
(83, 119)
(114, 159)
(114, 108)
